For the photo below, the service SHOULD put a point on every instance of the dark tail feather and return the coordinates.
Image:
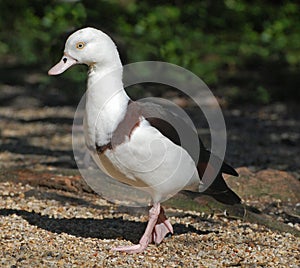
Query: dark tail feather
(220, 191)
(229, 170)
(228, 197)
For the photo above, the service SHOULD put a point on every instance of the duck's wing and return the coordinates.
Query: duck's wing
(164, 121)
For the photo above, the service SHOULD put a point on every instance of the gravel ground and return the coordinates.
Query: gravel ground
(50, 228)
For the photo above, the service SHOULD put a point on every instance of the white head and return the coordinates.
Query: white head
(87, 46)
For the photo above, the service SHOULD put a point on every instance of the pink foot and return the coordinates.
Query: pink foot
(160, 231)
(162, 228)
(157, 228)
(131, 249)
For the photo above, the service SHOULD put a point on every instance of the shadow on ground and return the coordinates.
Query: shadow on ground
(114, 228)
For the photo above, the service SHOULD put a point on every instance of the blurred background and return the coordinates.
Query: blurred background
(248, 49)
(248, 53)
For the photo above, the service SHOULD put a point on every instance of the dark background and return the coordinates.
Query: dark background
(249, 49)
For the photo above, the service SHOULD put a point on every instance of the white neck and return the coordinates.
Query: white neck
(106, 102)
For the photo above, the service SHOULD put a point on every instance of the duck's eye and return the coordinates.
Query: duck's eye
(80, 45)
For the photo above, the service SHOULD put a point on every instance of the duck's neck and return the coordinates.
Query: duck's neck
(106, 102)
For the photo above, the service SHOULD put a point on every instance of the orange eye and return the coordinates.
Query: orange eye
(80, 45)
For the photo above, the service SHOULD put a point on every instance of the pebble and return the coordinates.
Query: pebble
(41, 232)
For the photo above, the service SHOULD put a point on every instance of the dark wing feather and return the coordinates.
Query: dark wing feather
(164, 121)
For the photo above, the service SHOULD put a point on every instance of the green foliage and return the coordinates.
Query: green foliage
(28, 33)
(250, 47)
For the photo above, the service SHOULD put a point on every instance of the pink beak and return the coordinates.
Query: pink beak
(65, 63)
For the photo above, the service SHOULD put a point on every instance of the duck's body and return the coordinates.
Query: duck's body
(128, 144)
(128, 147)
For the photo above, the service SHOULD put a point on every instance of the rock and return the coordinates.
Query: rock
(266, 185)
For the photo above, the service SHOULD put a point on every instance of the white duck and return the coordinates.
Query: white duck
(118, 128)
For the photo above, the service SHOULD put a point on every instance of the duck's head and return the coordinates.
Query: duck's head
(86, 46)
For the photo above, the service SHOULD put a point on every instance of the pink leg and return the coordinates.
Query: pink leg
(161, 228)
(147, 236)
